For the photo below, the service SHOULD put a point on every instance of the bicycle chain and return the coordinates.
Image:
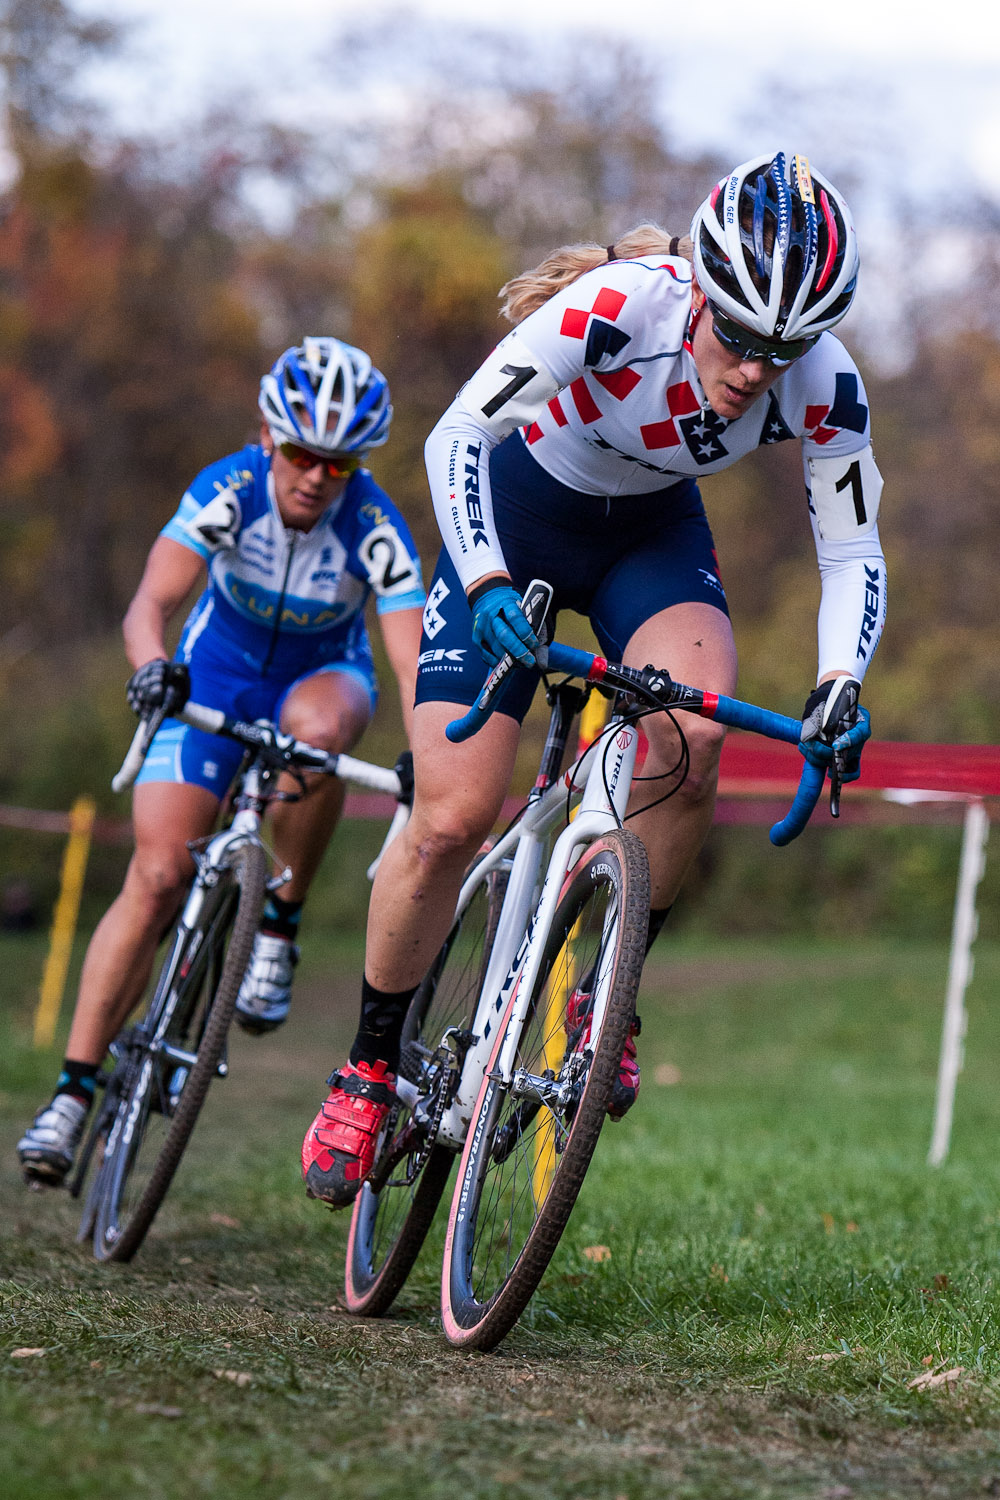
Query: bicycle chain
(418, 1162)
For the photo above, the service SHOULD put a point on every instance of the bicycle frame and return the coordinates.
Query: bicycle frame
(212, 863)
(166, 1061)
(215, 858)
(523, 927)
(519, 944)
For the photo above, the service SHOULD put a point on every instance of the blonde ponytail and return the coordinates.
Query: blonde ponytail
(525, 293)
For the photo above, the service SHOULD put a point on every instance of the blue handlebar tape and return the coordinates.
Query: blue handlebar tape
(730, 711)
(740, 715)
(798, 815)
(560, 659)
(470, 724)
(569, 659)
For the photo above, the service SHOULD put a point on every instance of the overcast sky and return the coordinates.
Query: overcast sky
(929, 73)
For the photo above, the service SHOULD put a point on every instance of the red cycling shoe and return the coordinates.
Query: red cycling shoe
(340, 1145)
(626, 1090)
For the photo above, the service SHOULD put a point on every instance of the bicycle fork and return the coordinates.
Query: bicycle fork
(605, 774)
(194, 951)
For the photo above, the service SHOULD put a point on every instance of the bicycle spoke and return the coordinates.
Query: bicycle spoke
(158, 1098)
(519, 1184)
(389, 1225)
(533, 1133)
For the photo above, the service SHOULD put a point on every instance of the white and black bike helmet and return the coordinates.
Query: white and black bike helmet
(775, 249)
(328, 396)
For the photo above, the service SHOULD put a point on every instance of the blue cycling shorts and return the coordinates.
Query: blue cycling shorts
(181, 754)
(618, 561)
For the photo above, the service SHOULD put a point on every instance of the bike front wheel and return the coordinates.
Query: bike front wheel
(396, 1206)
(165, 1064)
(532, 1134)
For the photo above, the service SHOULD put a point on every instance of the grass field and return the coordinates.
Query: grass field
(779, 1268)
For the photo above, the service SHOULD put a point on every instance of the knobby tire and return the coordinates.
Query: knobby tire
(389, 1227)
(119, 1240)
(524, 1162)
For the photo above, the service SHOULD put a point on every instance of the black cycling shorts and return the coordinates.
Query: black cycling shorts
(618, 561)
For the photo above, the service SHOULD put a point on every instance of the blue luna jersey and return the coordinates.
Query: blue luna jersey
(285, 603)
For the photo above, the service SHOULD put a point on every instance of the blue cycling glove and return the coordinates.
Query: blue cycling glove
(499, 626)
(835, 727)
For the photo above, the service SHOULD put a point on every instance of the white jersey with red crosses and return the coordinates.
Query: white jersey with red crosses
(603, 382)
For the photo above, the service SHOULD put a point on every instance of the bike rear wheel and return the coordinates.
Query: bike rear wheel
(394, 1210)
(155, 1098)
(530, 1141)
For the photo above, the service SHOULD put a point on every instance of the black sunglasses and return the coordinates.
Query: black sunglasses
(748, 345)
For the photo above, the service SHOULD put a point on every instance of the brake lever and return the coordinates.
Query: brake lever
(835, 784)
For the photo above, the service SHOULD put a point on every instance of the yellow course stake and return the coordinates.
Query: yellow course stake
(64, 920)
(558, 990)
(593, 719)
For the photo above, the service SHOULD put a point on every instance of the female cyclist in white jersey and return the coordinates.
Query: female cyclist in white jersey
(573, 455)
(291, 535)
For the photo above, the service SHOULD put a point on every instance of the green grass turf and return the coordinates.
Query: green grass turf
(782, 1266)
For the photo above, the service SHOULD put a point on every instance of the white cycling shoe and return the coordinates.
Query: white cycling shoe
(266, 992)
(47, 1148)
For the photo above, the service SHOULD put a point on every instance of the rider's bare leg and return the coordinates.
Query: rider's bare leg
(120, 956)
(459, 791)
(694, 643)
(330, 710)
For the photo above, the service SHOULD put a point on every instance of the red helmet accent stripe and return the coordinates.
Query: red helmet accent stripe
(833, 243)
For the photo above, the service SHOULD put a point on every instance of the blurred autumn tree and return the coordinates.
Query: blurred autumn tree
(939, 669)
(125, 339)
(423, 302)
(126, 331)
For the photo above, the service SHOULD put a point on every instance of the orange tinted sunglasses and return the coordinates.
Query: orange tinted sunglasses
(337, 466)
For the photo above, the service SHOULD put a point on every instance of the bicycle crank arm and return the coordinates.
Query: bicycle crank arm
(185, 1059)
(407, 1093)
(409, 1140)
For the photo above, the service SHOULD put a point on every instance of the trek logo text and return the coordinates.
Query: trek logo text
(473, 501)
(870, 620)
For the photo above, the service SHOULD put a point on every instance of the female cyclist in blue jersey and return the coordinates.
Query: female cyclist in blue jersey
(294, 535)
(573, 455)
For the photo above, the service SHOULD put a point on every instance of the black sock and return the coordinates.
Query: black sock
(657, 917)
(281, 918)
(381, 1027)
(79, 1080)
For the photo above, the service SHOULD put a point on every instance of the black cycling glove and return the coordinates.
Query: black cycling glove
(159, 684)
(833, 714)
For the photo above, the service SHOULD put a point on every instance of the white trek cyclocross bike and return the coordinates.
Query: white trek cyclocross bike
(164, 1063)
(512, 1043)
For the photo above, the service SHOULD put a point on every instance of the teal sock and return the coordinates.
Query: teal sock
(281, 918)
(79, 1080)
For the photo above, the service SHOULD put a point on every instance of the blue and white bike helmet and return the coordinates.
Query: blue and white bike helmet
(328, 396)
(775, 249)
